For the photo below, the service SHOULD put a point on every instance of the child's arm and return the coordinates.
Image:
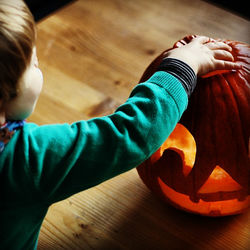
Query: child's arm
(66, 159)
(60, 160)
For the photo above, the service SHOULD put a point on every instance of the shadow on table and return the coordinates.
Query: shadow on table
(156, 225)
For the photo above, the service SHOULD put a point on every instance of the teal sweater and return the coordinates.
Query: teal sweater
(45, 164)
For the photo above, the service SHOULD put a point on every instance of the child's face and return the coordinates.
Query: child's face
(30, 87)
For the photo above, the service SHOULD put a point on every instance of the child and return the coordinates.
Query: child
(40, 165)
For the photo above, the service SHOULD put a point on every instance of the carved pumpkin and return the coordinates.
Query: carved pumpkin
(204, 165)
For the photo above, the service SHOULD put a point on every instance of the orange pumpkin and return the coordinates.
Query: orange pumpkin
(204, 165)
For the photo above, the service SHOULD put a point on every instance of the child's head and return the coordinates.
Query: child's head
(20, 78)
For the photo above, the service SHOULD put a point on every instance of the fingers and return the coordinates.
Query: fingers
(220, 50)
(223, 58)
(211, 43)
(218, 45)
(223, 55)
(220, 64)
(201, 39)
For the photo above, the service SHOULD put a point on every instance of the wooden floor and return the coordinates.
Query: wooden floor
(92, 54)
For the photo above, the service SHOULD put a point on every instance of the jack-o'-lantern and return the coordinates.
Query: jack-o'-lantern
(204, 165)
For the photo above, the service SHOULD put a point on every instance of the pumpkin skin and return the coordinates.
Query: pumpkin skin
(204, 165)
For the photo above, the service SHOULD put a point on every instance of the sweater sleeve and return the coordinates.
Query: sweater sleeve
(65, 159)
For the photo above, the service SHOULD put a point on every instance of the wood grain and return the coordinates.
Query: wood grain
(92, 54)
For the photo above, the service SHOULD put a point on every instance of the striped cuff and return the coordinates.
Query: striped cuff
(183, 72)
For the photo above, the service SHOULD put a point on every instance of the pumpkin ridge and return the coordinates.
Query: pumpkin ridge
(242, 159)
(203, 167)
(239, 116)
(235, 90)
(244, 121)
(232, 124)
(232, 159)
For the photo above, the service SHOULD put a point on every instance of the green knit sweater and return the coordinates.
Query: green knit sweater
(45, 164)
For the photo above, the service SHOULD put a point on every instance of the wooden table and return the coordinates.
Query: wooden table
(92, 54)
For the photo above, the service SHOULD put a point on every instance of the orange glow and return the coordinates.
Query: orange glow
(214, 208)
(219, 181)
(182, 139)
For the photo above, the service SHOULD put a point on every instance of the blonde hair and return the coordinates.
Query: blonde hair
(17, 39)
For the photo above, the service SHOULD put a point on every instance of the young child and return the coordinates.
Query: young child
(40, 165)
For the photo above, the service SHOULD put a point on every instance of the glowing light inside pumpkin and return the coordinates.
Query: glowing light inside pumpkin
(215, 208)
(182, 141)
(219, 181)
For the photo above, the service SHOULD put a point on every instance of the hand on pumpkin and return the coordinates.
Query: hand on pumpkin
(204, 55)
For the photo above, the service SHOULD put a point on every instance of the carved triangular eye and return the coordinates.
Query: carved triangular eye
(214, 184)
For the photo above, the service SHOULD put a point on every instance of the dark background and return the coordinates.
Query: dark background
(41, 8)
(238, 7)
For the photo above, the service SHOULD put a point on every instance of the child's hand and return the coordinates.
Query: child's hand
(204, 55)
